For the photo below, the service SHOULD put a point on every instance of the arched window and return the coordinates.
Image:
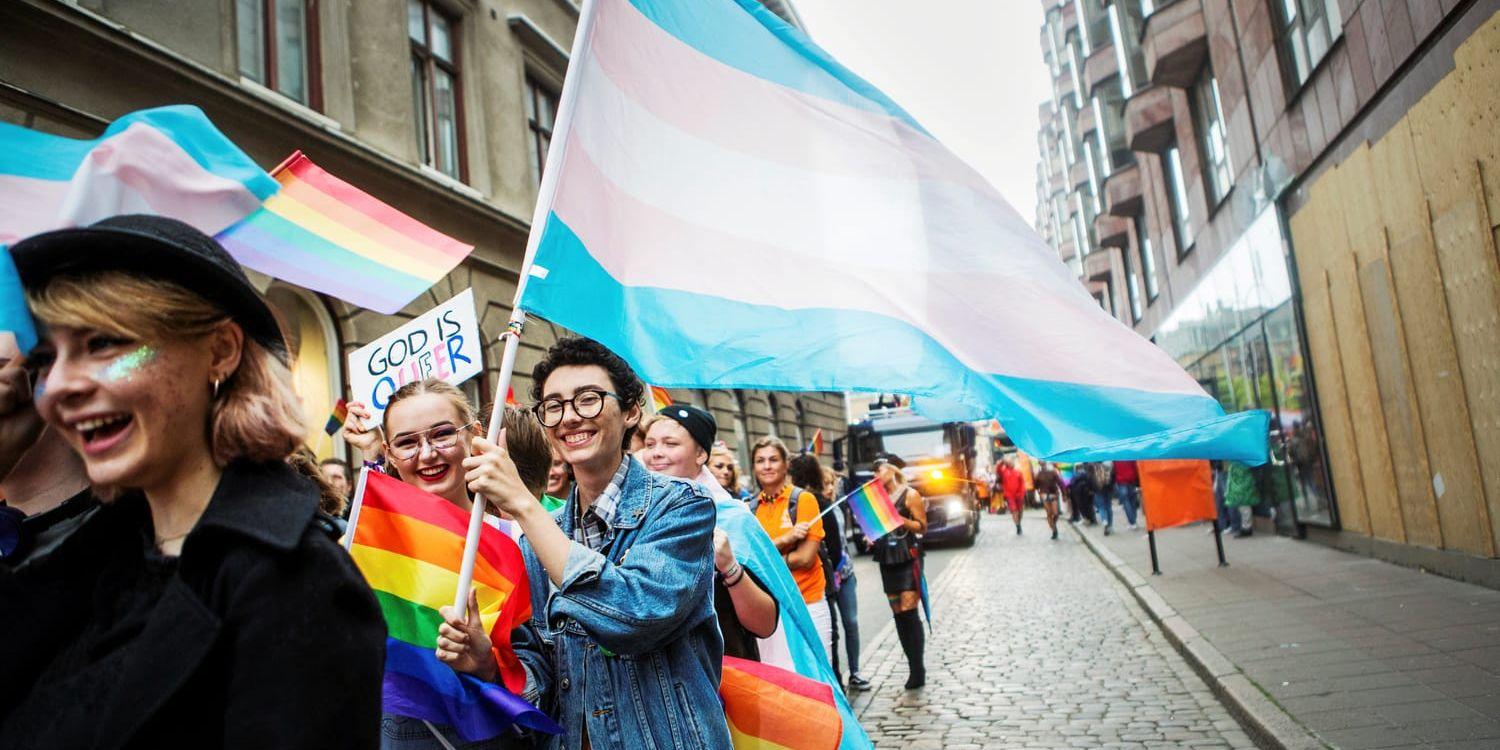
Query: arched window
(775, 413)
(316, 357)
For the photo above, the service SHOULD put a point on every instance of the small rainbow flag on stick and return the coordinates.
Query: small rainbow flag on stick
(769, 708)
(660, 399)
(325, 234)
(409, 544)
(336, 419)
(873, 510)
(815, 446)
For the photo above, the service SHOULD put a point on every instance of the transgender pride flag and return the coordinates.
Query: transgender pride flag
(728, 207)
(170, 161)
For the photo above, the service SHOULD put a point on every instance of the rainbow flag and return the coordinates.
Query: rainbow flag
(325, 234)
(336, 419)
(409, 543)
(660, 399)
(769, 708)
(815, 446)
(873, 510)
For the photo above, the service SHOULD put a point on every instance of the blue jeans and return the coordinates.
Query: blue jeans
(848, 606)
(1105, 508)
(1130, 500)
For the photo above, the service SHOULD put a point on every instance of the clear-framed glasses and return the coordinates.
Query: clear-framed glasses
(587, 404)
(442, 438)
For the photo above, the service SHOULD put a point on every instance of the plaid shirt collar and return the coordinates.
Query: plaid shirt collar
(594, 525)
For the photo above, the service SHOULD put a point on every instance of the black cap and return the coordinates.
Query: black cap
(154, 247)
(889, 458)
(699, 423)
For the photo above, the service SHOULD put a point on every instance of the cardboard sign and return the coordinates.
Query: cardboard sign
(442, 343)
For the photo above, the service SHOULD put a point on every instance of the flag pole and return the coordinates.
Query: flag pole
(359, 500)
(840, 501)
(512, 335)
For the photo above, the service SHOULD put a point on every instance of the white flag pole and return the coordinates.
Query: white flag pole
(359, 499)
(512, 336)
(840, 501)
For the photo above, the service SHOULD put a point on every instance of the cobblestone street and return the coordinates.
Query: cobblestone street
(1035, 645)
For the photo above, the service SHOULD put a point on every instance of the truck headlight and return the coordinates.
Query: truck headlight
(956, 508)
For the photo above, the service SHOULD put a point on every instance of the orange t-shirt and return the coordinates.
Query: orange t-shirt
(774, 519)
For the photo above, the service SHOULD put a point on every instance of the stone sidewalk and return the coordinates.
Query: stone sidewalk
(1352, 652)
(1036, 645)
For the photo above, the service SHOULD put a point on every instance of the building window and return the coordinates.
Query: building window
(1148, 258)
(277, 41)
(541, 115)
(1213, 141)
(1308, 28)
(435, 87)
(1171, 163)
(1132, 288)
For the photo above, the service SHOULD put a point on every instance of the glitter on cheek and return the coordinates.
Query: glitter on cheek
(124, 368)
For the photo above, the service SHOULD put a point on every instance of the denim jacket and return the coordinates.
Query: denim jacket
(631, 636)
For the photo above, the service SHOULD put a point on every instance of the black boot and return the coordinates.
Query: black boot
(913, 641)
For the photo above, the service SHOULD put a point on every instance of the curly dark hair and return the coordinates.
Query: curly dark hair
(580, 351)
(806, 472)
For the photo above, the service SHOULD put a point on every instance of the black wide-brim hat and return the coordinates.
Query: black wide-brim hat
(154, 247)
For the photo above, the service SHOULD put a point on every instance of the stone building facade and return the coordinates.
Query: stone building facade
(1297, 200)
(441, 108)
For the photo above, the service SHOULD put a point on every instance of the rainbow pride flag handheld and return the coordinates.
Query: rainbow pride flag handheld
(325, 234)
(169, 161)
(660, 399)
(409, 543)
(769, 708)
(815, 446)
(336, 419)
(873, 510)
(702, 147)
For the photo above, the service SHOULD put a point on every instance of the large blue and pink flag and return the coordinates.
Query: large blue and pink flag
(729, 207)
(299, 223)
(169, 161)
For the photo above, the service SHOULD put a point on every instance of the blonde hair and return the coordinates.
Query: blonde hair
(769, 441)
(256, 414)
(734, 466)
(526, 442)
(435, 387)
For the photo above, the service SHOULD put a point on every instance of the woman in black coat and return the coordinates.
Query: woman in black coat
(205, 605)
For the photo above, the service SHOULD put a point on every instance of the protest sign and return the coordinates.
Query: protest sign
(442, 343)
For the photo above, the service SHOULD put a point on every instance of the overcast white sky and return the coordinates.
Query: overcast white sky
(970, 71)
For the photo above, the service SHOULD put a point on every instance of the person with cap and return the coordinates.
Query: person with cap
(199, 600)
(899, 555)
(679, 439)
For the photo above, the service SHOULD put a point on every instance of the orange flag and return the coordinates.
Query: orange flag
(1176, 492)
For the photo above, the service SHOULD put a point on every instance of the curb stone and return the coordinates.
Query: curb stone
(1265, 721)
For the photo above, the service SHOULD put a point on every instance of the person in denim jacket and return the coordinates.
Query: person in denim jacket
(621, 575)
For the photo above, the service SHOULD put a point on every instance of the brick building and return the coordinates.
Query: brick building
(1298, 199)
(441, 108)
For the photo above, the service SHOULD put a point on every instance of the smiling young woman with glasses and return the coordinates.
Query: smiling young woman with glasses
(428, 431)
